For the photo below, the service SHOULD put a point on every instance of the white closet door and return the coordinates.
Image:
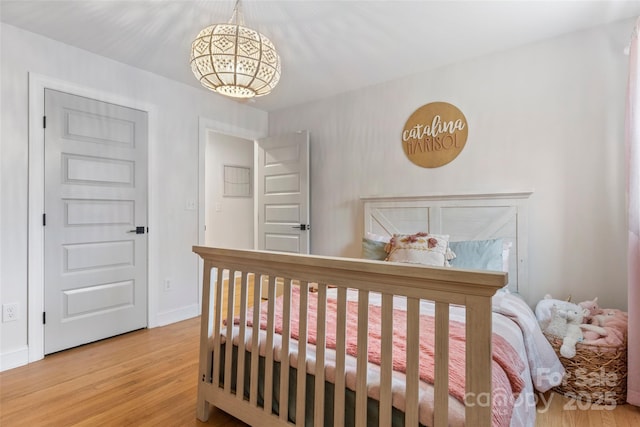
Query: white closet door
(96, 219)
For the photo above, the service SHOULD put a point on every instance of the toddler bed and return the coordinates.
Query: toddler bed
(487, 354)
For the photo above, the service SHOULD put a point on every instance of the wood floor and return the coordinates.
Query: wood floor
(149, 378)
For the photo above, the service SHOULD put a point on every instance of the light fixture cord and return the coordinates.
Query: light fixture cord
(237, 17)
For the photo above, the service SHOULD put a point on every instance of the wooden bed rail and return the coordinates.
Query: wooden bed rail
(472, 289)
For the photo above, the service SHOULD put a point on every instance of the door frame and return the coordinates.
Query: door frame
(206, 125)
(35, 270)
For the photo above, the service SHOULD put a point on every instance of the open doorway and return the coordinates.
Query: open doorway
(228, 191)
(212, 130)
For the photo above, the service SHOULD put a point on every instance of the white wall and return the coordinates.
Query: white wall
(546, 117)
(229, 220)
(173, 168)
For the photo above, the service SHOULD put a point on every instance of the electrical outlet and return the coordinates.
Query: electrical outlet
(10, 312)
(167, 285)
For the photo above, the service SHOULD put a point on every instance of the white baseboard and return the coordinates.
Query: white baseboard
(14, 358)
(20, 357)
(177, 315)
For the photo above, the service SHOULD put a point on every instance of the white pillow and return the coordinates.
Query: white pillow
(376, 237)
(419, 248)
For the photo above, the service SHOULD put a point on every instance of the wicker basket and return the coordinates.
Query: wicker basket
(596, 374)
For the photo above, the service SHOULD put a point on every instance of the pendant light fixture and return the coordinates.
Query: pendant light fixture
(235, 60)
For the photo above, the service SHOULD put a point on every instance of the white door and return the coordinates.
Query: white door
(95, 220)
(283, 193)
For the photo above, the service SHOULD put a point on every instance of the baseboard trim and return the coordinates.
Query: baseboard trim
(177, 315)
(14, 359)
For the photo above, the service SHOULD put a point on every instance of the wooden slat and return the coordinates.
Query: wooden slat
(321, 328)
(268, 364)
(339, 386)
(386, 359)
(301, 389)
(362, 359)
(413, 358)
(284, 354)
(217, 320)
(231, 287)
(478, 361)
(205, 349)
(441, 374)
(255, 340)
(244, 284)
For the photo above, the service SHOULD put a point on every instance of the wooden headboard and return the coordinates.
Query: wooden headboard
(462, 217)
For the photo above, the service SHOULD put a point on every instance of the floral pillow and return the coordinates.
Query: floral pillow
(420, 248)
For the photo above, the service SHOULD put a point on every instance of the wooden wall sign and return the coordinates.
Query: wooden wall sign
(434, 134)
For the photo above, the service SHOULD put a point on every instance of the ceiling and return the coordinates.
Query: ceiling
(326, 47)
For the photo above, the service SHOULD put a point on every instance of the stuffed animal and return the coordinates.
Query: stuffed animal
(614, 323)
(592, 307)
(557, 323)
(594, 337)
(565, 324)
(592, 332)
(611, 317)
(544, 308)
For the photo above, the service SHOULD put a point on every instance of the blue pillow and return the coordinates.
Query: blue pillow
(477, 254)
(373, 250)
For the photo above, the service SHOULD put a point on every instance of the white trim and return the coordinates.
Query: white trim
(444, 196)
(178, 315)
(37, 84)
(204, 126)
(14, 359)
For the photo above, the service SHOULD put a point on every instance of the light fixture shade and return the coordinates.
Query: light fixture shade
(235, 61)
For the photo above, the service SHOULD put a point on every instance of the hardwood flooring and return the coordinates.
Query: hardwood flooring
(144, 378)
(149, 378)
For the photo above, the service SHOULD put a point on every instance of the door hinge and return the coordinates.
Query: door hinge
(44, 122)
(44, 317)
(44, 219)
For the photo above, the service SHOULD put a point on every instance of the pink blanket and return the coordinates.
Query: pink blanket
(507, 365)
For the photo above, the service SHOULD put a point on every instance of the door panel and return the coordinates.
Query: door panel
(88, 256)
(282, 243)
(95, 197)
(93, 171)
(283, 193)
